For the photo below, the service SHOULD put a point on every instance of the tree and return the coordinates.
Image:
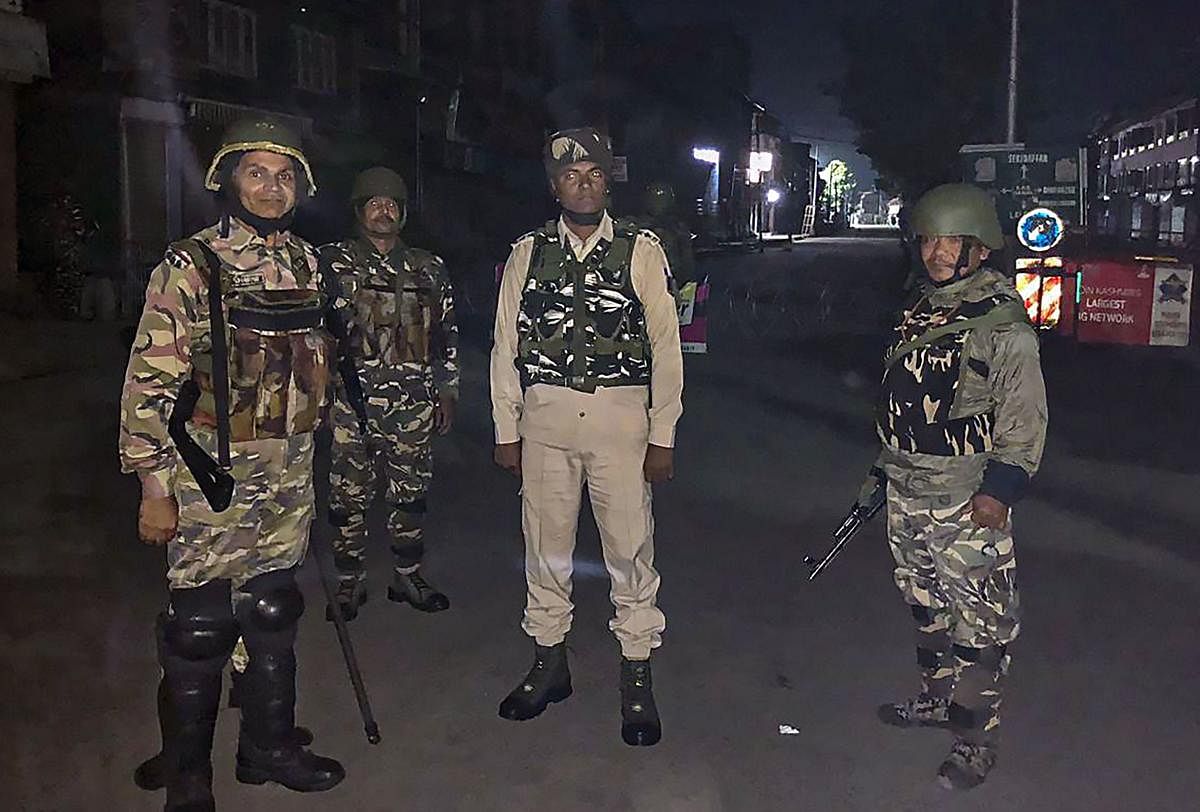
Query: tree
(839, 186)
(921, 79)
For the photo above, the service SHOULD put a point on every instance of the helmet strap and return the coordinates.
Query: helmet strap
(582, 219)
(265, 226)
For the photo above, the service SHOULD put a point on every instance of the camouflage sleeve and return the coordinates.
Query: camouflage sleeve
(159, 363)
(1019, 435)
(445, 367)
(338, 289)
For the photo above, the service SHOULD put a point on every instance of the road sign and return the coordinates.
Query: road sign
(1024, 178)
(1040, 229)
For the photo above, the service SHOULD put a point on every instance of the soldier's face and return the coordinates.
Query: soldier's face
(266, 184)
(940, 256)
(380, 216)
(581, 187)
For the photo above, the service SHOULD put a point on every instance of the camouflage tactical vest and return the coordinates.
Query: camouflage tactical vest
(397, 317)
(580, 324)
(918, 391)
(279, 353)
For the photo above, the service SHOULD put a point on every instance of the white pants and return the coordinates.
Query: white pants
(572, 438)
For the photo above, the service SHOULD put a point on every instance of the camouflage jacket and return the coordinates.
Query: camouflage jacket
(997, 388)
(174, 341)
(398, 311)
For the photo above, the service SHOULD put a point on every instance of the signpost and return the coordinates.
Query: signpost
(1024, 178)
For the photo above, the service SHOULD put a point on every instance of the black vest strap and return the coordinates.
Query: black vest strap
(207, 260)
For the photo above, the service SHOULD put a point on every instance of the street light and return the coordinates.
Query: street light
(773, 195)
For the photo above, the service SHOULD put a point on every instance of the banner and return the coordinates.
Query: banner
(1115, 303)
(1170, 316)
(693, 317)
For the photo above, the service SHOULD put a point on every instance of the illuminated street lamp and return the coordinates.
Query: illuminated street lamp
(706, 155)
(774, 195)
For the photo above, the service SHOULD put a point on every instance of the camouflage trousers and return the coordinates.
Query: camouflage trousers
(398, 441)
(959, 580)
(264, 529)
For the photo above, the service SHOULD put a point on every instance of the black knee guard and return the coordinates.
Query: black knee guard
(989, 657)
(200, 625)
(275, 603)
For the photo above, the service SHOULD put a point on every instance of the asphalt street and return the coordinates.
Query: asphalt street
(767, 683)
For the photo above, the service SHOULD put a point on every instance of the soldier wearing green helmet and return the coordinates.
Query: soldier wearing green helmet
(660, 215)
(400, 342)
(231, 345)
(962, 420)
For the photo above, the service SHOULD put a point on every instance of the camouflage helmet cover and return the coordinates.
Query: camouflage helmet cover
(958, 210)
(258, 134)
(379, 181)
(660, 197)
(567, 147)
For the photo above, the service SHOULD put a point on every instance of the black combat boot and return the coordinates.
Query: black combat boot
(922, 710)
(351, 594)
(968, 764)
(151, 774)
(640, 725)
(548, 681)
(414, 589)
(266, 749)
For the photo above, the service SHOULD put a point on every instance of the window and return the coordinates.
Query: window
(316, 61)
(231, 39)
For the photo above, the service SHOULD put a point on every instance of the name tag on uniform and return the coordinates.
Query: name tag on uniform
(241, 280)
(381, 402)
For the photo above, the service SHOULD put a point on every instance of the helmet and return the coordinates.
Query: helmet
(659, 198)
(251, 134)
(566, 147)
(958, 210)
(379, 181)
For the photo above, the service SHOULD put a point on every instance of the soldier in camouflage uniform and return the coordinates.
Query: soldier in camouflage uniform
(587, 381)
(401, 343)
(236, 311)
(660, 216)
(962, 417)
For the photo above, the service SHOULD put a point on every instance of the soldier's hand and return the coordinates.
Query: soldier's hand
(660, 464)
(443, 415)
(988, 511)
(157, 519)
(508, 457)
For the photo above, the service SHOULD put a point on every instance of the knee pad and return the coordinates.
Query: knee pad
(276, 603)
(201, 624)
(990, 656)
(922, 614)
(416, 506)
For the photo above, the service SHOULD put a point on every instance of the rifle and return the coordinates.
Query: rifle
(861, 512)
(215, 481)
(370, 727)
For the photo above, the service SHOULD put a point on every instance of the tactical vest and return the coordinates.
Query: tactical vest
(580, 324)
(398, 321)
(269, 345)
(920, 384)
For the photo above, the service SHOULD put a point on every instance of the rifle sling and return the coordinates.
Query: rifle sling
(210, 262)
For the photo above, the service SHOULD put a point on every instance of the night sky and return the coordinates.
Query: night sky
(1084, 56)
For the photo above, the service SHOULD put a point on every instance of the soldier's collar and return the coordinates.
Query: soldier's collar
(603, 232)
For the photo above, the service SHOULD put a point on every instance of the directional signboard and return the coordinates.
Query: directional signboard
(1024, 178)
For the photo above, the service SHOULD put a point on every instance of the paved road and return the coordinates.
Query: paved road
(1102, 711)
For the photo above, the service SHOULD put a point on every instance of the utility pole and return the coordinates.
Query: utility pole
(1012, 73)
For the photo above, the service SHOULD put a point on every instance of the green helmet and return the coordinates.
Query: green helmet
(958, 210)
(253, 134)
(379, 181)
(659, 198)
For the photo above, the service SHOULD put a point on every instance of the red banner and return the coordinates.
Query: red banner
(1115, 303)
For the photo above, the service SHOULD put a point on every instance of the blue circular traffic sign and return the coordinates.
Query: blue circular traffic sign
(1040, 229)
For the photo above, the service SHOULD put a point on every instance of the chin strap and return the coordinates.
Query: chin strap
(581, 219)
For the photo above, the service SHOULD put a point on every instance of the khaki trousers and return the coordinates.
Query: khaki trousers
(572, 439)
